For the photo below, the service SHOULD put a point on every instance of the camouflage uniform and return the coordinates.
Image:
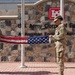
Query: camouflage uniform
(60, 42)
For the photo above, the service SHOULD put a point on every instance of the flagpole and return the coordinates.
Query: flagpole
(62, 8)
(61, 65)
(22, 34)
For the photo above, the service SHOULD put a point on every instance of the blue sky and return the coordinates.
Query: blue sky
(18, 0)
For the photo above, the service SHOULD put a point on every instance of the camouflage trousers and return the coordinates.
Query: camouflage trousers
(60, 58)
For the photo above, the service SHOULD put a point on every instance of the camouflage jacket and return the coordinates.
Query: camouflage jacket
(60, 34)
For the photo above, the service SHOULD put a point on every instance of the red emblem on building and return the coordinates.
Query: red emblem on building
(53, 12)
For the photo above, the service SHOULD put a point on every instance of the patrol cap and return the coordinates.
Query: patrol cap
(58, 17)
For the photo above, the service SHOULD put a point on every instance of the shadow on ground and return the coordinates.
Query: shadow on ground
(29, 73)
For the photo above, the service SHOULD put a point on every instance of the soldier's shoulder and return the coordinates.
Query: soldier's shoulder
(61, 24)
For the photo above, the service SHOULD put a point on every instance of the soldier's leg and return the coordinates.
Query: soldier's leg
(60, 59)
(61, 62)
(57, 55)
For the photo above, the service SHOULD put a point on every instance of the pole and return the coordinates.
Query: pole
(62, 8)
(22, 33)
(61, 64)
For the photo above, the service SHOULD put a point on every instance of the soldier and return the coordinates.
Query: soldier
(60, 42)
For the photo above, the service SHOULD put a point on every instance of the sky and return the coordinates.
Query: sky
(18, 0)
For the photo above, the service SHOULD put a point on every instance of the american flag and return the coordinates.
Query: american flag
(25, 39)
